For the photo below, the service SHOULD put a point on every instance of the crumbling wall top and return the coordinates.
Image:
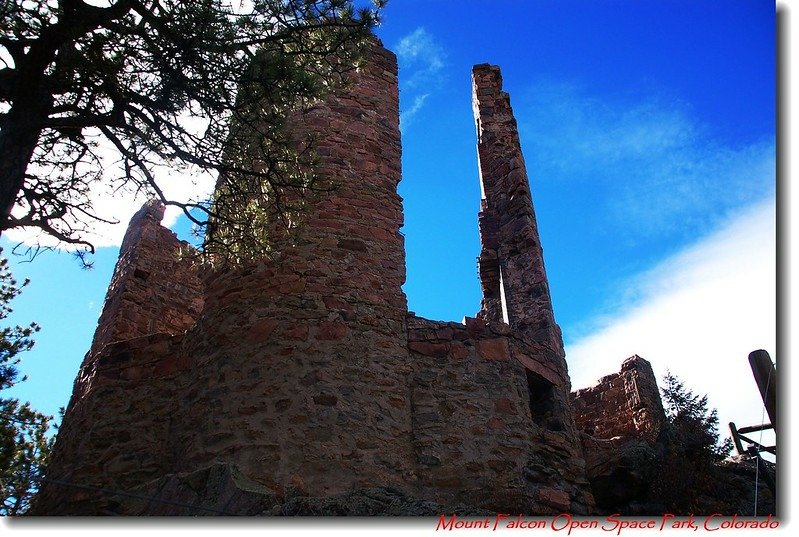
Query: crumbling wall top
(155, 288)
(625, 404)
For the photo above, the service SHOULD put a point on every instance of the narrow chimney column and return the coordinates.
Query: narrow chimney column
(511, 263)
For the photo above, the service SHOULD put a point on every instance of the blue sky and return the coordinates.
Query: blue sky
(648, 130)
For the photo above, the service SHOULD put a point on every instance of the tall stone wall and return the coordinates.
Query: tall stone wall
(511, 260)
(624, 404)
(126, 391)
(512, 273)
(155, 288)
(295, 369)
(116, 436)
(302, 356)
(485, 431)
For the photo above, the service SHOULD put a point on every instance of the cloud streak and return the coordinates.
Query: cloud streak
(407, 115)
(657, 171)
(421, 63)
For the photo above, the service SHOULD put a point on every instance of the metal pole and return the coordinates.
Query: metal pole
(766, 378)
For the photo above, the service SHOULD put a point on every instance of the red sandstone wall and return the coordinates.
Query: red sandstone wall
(297, 368)
(115, 437)
(625, 404)
(515, 286)
(118, 419)
(482, 433)
(511, 261)
(302, 357)
(155, 286)
(155, 289)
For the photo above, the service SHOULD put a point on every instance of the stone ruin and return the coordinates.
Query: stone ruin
(301, 383)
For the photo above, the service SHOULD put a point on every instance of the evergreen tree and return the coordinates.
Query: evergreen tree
(688, 473)
(696, 426)
(24, 445)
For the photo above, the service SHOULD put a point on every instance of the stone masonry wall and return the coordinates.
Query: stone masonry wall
(125, 395)
(115, 437)
(625, 404)
(511, 260)
(302, 356)
(483, 434)
(513, 277)
(155, 288)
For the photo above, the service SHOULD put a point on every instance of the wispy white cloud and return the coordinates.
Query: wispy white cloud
(422, 56)
(407, 115)
(698, 313)
(660, 172)
(421, 62)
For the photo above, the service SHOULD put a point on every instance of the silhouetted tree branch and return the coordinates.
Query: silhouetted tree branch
(197, 86)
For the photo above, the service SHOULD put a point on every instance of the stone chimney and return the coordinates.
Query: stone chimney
(511, 262)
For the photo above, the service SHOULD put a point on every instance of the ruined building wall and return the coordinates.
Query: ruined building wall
(483, 434)
(511, 262)
(489, 398)
(125, 393)
(624, 404)
(302, 356)
(304, 368)
(513, 277)
(155, 287)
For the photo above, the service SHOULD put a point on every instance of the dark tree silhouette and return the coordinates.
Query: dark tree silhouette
(198, 86)
(688, 474)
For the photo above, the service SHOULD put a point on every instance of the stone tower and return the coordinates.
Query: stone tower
(296, 351)
(303, 373)
(289, 355)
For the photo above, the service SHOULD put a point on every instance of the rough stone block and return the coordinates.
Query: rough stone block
(297, 332)
(458, 351)
(325, 399)
(475, 327)
(331, 330)
(439, 350)
(261, 330)
(495, 423)
(554, 498)
(538, 368)
(493, 349)
(504, 405)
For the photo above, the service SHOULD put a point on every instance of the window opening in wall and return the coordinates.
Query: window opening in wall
(542, 402)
